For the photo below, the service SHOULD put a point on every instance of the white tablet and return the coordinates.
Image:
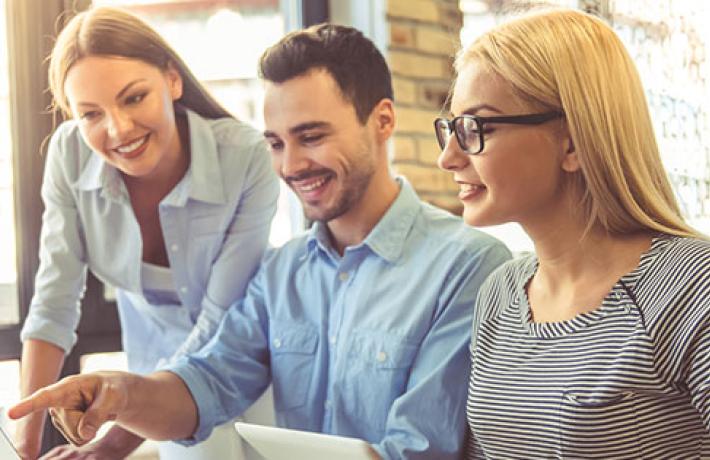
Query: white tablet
(7, 450)
(283, 444)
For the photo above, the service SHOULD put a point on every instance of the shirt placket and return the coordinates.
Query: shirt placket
(342, 284)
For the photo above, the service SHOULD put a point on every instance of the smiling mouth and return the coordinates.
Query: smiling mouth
(468, 191)
(311, 186)
(132, 148)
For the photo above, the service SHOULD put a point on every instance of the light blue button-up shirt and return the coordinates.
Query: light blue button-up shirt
(373, 344)
(215, 224)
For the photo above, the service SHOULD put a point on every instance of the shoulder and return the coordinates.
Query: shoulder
(66, 140)
(240, 151)
(233, 136)
(504, 283)
(682, 259)
(499, 291)
(447, 231)
(67, 150)
(283, 256)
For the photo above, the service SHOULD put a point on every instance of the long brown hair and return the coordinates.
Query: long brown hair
(107, 31)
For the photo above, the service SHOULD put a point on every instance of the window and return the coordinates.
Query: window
(9, 312)
(9, 390)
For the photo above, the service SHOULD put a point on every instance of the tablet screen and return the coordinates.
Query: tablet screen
(7, 450)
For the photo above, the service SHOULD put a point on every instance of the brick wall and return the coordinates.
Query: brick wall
(423, 37)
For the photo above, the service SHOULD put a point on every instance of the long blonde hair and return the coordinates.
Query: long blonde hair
(106, 31)
(571, 61)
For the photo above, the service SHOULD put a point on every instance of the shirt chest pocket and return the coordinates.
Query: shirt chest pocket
(205, 240)
(603, 424)
(292, 347)
(376, 373)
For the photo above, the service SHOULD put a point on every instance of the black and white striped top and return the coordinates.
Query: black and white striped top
(630, 379)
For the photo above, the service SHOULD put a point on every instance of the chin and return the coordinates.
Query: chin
(479, 218)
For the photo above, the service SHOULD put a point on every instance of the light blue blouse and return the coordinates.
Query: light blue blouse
(215, 224)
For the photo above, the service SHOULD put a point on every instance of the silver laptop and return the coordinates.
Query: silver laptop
(284, 444)
(7, 450)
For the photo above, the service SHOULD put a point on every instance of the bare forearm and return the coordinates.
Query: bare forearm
(41, 364)
(120, 442)
(160, 407)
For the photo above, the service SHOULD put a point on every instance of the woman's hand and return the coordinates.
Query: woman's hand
(117, 444)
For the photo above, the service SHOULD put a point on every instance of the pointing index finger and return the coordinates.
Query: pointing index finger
(39, 400)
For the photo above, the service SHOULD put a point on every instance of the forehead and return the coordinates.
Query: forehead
(313, 96)
(106, 74)
(477, 85)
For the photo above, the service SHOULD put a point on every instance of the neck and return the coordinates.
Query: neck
(569, 255)
(352, 228)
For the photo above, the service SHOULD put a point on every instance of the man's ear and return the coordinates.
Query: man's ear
(174, 81)
(382, 119)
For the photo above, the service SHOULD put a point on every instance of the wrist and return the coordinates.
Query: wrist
(117, 443)
(28, 437)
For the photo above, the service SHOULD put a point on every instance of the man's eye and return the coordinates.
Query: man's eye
(312, 138)
(276, 145)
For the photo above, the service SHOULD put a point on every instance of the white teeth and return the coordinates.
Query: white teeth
(470, 187)
(313, 185)
(132, 146)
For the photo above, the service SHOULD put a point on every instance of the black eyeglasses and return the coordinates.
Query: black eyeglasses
(469, 128)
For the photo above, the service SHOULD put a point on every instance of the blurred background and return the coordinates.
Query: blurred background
(221, 41)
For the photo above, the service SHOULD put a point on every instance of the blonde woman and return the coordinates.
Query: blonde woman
(597, 346)
(158, 191)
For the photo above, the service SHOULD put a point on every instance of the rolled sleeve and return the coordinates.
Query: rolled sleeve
(59, 284)
(208, 408)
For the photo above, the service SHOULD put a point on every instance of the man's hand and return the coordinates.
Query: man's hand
(79, 404)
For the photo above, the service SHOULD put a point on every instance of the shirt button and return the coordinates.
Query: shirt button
(277, 343)
(343, 276)
(333, 339)
(183, 289)
(328, 404)
(381, 356)
(174, 247)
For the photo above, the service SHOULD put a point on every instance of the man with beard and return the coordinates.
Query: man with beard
(362, 324)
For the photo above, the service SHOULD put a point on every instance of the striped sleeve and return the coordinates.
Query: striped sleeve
(699, 353)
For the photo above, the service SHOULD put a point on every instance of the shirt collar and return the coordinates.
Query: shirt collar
(387, 238)
(202, 181)
(95, 174)
(205, 172)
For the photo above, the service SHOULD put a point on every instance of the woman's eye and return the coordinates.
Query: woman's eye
(90, 115)
(135, 99)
